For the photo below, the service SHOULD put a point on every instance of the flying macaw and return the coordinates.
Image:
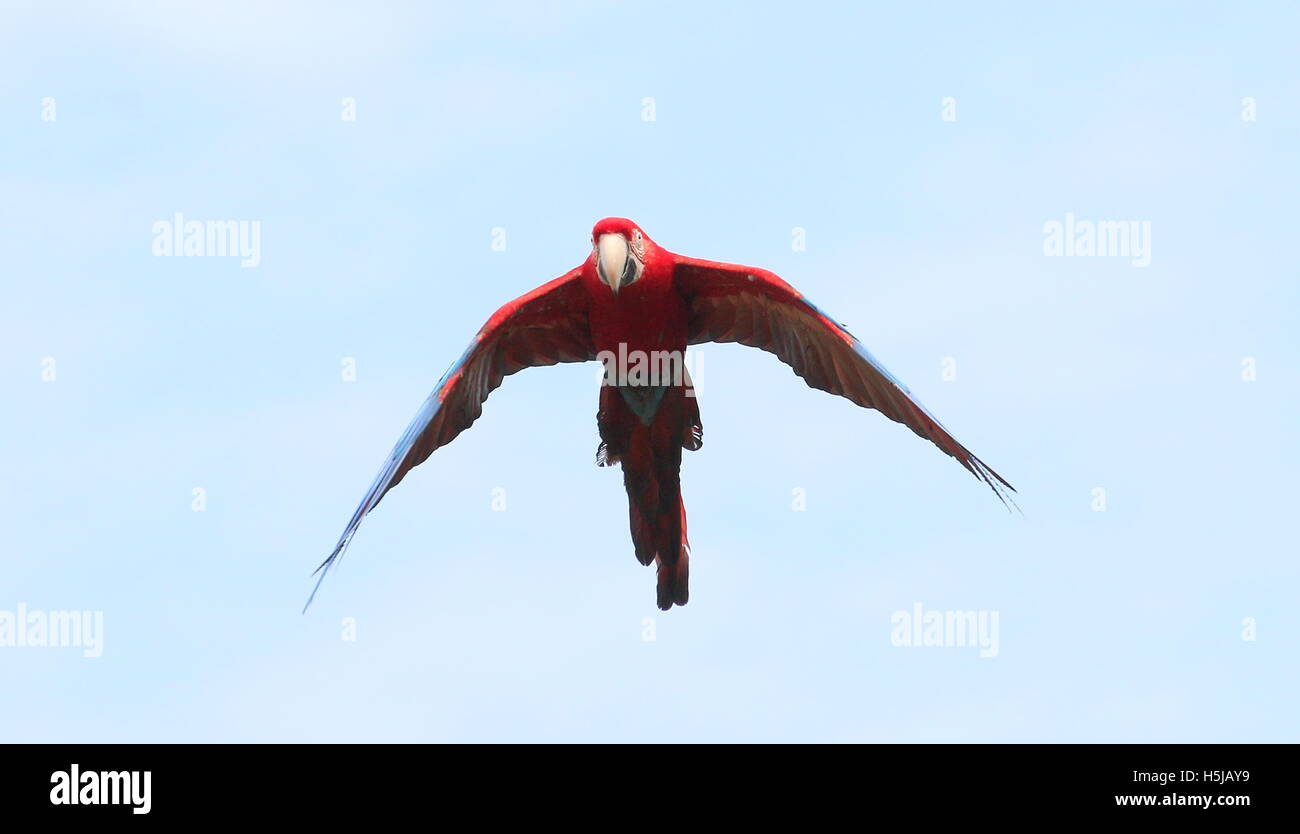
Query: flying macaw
(631, 295)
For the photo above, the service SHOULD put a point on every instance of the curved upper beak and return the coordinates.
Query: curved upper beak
(611, 259)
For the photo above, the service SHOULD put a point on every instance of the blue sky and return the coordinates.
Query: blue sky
(924, 234)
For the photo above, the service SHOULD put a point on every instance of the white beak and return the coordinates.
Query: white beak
(611, 259)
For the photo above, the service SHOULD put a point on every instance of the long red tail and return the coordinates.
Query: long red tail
(651, 456)
(674, 578)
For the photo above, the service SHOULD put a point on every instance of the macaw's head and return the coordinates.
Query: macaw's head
(620, 249)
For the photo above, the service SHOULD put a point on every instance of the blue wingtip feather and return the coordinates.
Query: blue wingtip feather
(384, 479)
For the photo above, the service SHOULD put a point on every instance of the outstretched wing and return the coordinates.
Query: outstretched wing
(731, 303)
(544, 327)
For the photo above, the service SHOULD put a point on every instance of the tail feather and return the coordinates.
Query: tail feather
(643, 533)
(674, 578)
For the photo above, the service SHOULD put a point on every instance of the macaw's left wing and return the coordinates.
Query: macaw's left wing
(543, 327)
(731, 303)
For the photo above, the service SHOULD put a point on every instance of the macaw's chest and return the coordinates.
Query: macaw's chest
(640, 319)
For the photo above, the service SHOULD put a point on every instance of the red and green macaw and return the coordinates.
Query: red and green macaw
(631, 295)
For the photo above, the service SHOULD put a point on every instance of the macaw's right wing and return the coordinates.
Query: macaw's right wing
(543, 327)
(733, 303)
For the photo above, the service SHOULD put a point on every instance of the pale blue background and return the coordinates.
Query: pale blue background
(923, 235)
